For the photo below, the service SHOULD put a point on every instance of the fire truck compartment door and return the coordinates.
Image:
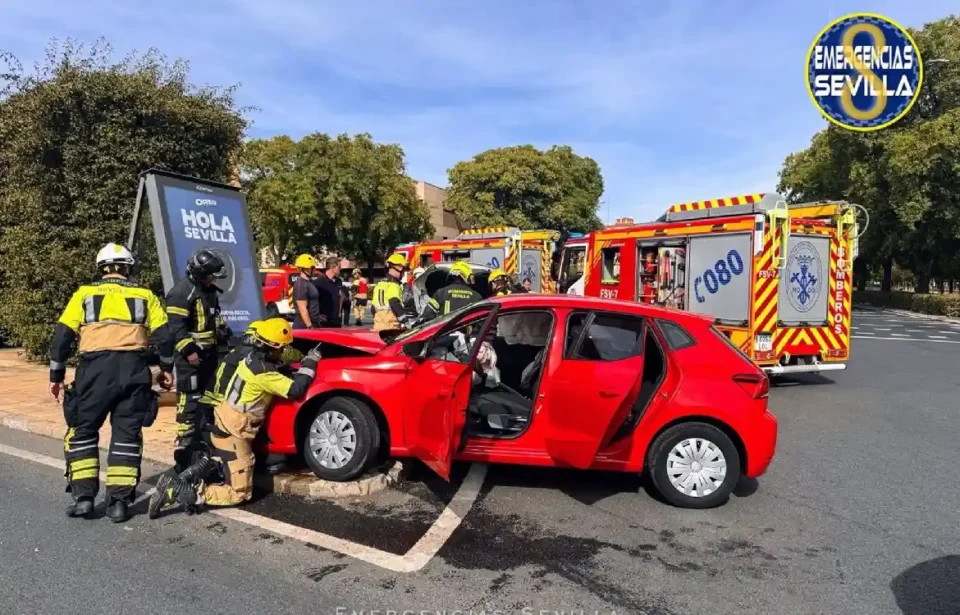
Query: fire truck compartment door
(805, 282)
(719, 269)
(491, 257)
(530, 267)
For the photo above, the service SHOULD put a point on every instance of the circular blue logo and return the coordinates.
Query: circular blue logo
(864, 71)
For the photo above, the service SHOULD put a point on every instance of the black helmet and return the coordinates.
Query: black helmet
(204, 263)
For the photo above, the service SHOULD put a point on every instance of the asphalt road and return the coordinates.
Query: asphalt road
(858, 514)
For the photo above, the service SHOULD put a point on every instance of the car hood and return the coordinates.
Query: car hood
(363, 340)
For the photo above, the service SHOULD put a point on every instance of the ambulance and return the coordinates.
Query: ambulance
(527, 253)
(775, 277)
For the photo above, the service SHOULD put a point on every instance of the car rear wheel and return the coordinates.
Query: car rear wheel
(694, 465)
(341, 440)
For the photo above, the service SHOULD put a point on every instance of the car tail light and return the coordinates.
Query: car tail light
(755, 385)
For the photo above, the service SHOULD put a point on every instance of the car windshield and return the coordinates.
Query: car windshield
(445, 319)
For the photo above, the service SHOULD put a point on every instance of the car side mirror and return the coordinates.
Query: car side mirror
(415, 350)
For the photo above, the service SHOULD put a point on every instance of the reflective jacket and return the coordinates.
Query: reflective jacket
(112, 314)
(194, 312)
(388, 305)
(256, 381)
(450, 299)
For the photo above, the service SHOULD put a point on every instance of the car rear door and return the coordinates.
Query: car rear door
(589, 394)
(439, 387)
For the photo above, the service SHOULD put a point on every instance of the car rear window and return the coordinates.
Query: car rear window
(676, 336)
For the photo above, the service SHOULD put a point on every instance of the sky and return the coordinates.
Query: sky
(678, 100)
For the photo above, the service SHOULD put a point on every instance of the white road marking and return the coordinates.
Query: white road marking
(915, 331)
(906, 339)
(412, 561)
(937, 337)
(864, 334)
(880, 329)
(899, 335)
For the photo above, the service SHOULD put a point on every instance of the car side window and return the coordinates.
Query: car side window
(676, 336)
(609, 337)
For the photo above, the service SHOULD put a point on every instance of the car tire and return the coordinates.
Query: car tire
(668, 468)
(353, 423)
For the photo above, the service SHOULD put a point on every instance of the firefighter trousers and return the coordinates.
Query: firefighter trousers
(111, 383)
(231, 437)
(192, 381)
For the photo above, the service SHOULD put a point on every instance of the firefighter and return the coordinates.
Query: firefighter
(193, 306)
(455, 295)
(247, 393)
(499, 283)
(110, 320)
(389, 313)
(305, 296)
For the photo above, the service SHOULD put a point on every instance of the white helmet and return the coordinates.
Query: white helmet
(114, 254)
(418, 272)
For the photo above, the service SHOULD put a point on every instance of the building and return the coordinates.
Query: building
(445, 222)
(625, 221)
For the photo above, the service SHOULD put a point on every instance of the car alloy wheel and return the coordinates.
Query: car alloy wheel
(332, 439)
(696, 467)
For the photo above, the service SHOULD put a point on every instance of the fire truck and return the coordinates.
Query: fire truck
(527, 253)
(775, 277)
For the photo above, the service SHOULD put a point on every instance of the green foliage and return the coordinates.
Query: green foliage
(524, 187)
(348, 193)
(940, 305)
(74, 135)
(907, 176)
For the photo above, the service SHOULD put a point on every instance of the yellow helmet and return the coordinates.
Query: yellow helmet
(397, 260)
(252, 327)
(461, 269)
(273, 332)
(496, 274)
(305, 261)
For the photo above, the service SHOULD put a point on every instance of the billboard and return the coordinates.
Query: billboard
(191, 214)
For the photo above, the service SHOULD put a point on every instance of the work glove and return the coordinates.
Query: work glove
(313, 356)
(224, 332)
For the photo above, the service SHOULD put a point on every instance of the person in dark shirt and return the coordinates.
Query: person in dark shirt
(330, 287)
(306, 297)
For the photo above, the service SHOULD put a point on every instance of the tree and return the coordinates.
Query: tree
(281, 197)
(525, 187)
(74, 135)
(351, 194)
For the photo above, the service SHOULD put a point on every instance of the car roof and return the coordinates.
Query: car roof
(574, 302)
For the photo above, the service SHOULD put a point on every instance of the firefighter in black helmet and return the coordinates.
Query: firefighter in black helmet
(193, 306)
(111, 321)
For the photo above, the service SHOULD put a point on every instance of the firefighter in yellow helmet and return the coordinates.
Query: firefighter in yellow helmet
(389, 314)
(455, 295)
(246, 394)
(499, 283)
(110, 321)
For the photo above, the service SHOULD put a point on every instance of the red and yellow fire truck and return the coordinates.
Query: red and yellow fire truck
(527, 253)
(776, 277)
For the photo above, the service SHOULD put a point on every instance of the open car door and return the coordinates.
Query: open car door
(592, 390)
(440, 380)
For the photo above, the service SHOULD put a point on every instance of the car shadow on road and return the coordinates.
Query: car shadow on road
(799, 380)
(929, 587)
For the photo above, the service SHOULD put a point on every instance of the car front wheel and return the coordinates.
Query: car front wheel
(341, 440)
(694, 465)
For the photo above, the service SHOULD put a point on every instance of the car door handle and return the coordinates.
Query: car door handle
(608, 393)
(444, 393)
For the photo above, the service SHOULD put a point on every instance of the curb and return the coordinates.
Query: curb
(874, 308)
(306, 484)
(303, 483)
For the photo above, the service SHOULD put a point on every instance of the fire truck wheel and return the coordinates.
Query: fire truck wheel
(693, 465)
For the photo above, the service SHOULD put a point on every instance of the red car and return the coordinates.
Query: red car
(545, 380)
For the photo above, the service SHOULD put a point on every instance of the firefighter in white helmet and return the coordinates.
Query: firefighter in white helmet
(111, 321)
